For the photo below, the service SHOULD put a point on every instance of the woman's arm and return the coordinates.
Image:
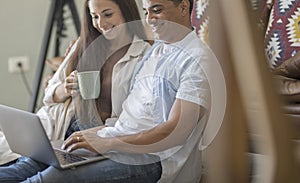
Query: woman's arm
(66, 89)
(55, 91)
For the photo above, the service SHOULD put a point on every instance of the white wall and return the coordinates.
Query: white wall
(22, 25)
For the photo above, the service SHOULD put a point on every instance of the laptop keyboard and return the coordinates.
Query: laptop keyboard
(67, 158)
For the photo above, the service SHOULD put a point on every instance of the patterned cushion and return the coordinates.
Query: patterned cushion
(282, 39)
(261, 9)
(200, 19)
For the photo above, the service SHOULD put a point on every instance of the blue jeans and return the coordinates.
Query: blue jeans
(107, 171)
(9, 163)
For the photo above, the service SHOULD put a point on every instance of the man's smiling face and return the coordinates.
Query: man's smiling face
(163, 16)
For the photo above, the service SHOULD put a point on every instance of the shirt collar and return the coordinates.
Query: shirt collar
(189, 38)
(136, 48)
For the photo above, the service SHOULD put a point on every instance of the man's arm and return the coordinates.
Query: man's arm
(182, 120)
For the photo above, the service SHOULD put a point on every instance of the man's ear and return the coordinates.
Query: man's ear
(185, 7)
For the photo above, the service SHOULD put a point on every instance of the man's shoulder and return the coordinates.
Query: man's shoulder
(193, 41)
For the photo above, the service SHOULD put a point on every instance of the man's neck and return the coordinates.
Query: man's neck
(179, 35)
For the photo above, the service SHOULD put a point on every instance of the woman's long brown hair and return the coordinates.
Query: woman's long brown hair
(89, 34)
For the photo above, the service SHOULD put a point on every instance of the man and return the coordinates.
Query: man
(164, 115)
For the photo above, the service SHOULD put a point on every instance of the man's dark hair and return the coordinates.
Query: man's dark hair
(177, 2)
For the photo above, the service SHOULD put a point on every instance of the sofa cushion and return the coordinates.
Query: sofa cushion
(289, 88)
(200, 19)
(290, 68)
(282, 38)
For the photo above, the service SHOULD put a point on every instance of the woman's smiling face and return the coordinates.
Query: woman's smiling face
(106, 17)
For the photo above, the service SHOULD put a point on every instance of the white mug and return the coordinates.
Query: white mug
(89, 84)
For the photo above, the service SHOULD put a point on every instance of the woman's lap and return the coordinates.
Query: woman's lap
(23, 168)
(102, 171)
(9, 163)
(106, 171)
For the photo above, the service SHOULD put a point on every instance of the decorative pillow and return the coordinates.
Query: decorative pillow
(282, 39)
(261, 9)
(55, 62)
(200, 19)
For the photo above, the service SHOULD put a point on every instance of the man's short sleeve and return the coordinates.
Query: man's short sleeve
(194, 84)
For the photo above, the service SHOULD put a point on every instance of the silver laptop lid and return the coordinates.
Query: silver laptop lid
(26, 136)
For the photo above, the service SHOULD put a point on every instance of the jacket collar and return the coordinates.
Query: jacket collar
(136, 48)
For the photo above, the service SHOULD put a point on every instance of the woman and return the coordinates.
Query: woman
(107, 44)
(59, 109)
(113, 48)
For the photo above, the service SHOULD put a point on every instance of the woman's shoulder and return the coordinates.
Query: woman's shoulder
(138, 41)
(139, 46)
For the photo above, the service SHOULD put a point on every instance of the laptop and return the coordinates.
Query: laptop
(26, 136)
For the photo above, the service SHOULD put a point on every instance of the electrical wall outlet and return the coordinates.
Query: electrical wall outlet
(14, 64)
